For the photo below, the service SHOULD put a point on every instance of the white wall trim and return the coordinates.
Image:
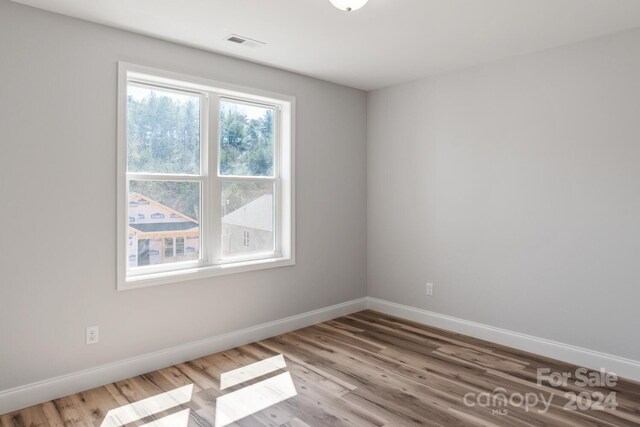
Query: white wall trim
(42, 391)
(210, 92)
(621, 366)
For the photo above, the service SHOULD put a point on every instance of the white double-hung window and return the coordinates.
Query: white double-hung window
(205, 178)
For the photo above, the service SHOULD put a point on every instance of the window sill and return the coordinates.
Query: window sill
(177, 276)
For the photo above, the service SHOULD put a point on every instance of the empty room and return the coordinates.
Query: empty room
(308, 213)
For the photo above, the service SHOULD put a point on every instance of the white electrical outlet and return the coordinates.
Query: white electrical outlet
(93, 334)
(430, 289)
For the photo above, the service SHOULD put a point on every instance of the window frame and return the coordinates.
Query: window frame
(210, 262)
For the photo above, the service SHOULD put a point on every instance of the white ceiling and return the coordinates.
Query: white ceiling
(386, 42)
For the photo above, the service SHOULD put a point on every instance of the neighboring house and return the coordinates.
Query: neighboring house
(159, 234)
(249, 228)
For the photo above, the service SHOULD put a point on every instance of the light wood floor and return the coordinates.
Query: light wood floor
(366, 369)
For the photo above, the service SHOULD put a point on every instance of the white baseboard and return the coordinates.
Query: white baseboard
(621, 366)
(42, 391)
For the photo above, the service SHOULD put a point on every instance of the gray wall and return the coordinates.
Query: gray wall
(515, 188)
(58, 147)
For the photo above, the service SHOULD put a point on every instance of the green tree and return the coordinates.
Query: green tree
(164, 137)
(246, 145)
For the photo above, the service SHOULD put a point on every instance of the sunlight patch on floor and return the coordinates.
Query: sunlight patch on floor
(254, 398)
(230, 407)
(147, 407)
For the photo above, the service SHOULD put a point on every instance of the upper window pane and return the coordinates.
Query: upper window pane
(163, 131)
(246, 139)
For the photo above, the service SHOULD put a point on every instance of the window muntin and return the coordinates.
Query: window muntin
(197, 154)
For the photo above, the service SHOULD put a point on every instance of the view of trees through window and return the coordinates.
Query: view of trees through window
(246, 149)
(246, 139)
(163, 131)
(163, 137)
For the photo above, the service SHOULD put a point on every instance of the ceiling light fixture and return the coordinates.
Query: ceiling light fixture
(348, 5)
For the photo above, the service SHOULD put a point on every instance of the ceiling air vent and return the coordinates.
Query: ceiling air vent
(244, 41)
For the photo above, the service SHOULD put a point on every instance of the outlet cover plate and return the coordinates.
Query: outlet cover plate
(430, 289)
(93, 334)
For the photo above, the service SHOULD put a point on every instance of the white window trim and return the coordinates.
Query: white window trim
(285, 155)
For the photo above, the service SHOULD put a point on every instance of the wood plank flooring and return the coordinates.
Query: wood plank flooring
(366, 369)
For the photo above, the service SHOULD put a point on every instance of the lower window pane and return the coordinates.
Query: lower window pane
(164, 222)
(248, 218)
